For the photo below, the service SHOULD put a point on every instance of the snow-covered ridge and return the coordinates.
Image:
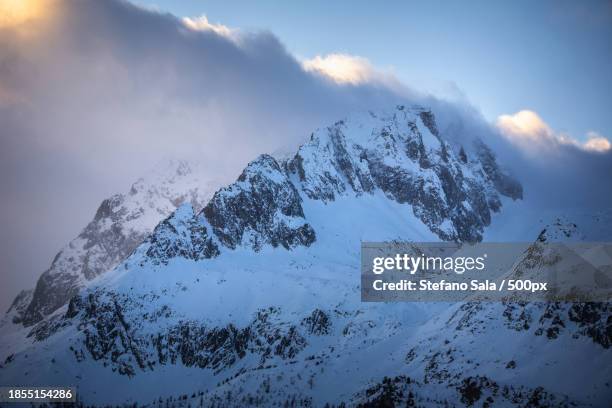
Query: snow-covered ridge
(399, 154)
(120, 224)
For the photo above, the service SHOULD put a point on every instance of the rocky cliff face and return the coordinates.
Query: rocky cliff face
(120, 224)
(261, 207)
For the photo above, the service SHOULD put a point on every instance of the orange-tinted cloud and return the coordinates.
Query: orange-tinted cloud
(349, 69)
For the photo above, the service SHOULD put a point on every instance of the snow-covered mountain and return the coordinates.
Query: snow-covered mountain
(120, 224)
(254, 300)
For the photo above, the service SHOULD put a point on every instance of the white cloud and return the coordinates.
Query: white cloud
(525, 124)
(529, 131)
(342, 68)
(201, 23)
(597, 142)
(348, 69)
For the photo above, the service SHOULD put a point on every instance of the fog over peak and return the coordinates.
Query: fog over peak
(93, 93)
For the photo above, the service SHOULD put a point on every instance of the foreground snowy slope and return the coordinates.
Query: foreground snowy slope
(255, 300)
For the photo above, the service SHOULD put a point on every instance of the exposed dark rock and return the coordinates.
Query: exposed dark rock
(113, 334)
(261, 207)
(317, 323)
(180, 235)
(594, 320)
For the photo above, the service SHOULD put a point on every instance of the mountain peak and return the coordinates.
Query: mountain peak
(403, 154)
(399, 154)
(120, 224)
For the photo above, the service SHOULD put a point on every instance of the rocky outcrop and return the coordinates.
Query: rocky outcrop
(115, 332)
(550, 319)
(318, 323)
(180, 235)
(261, 208)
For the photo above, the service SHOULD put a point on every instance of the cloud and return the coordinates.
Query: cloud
(201, 23)
(529, 131)
(17, 12)
(349, 69)
(342, 68)
(525, 124)
(596, 143)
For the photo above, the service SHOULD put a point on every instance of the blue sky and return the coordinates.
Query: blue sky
(554, 58)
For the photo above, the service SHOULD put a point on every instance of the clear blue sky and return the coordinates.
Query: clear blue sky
(551, 57)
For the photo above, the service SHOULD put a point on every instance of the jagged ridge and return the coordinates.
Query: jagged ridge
(400, 153)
